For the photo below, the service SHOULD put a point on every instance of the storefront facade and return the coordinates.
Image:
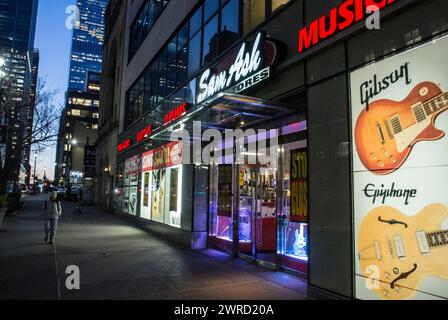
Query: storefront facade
(293, 72)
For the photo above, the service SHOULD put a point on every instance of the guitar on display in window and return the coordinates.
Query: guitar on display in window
(404, 250)
(387, 130)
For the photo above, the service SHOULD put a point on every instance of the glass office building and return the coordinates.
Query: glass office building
(87, 41)
(17, 31)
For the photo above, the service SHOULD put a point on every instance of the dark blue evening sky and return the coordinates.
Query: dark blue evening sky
(53, 40)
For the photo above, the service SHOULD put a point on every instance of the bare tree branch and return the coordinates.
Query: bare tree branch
(13, 114)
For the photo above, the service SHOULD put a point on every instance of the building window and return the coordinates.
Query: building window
(143, 23)
(211, 41)
(213, 28)
(230, 32)
(254, 13)
(278, 3)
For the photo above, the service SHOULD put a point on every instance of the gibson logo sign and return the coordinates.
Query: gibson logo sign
(340, 18)
(246, 70)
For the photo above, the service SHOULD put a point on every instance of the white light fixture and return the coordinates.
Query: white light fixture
(2, 62)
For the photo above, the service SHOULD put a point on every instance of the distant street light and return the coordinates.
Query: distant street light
(34, 177)
(74, 142)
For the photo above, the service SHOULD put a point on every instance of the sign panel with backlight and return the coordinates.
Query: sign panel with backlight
(400, 169)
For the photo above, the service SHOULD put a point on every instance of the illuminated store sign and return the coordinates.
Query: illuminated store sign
(400, 169)
(124, 145)
(175, 114)
(339, 18)
(299, 185)
(143, 134)
(164, 157)
(242, 69)
(132, 165)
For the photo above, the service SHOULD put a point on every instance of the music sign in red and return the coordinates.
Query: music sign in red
(176, 113)
(144, 133)
(124, 145)
(339, 18)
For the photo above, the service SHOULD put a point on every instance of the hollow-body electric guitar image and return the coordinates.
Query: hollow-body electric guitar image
(403, 250)
(387, 130)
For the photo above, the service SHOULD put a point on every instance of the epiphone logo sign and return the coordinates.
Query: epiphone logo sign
(246, 69)
(340, 18)
(384, 193)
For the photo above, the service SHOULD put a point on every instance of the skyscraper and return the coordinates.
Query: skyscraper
(79, 120)
(17, 31)
(29, 117)
(87, 42)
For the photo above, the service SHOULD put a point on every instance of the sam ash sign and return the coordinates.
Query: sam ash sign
(241, 69)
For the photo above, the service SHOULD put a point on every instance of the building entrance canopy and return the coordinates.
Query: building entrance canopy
(228, 111)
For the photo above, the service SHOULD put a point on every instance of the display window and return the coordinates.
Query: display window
(400, 169)
(129, 190)
(162, 184)
(293, 240)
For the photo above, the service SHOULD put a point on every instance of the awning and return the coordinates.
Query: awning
(228, 111)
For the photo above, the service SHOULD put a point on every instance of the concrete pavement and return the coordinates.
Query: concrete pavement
(117, 260)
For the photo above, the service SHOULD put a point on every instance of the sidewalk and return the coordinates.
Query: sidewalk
(119, 261)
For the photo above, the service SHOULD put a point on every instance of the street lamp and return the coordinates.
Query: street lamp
(34, 176)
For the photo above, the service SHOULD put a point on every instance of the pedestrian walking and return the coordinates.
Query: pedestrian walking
(53, 211)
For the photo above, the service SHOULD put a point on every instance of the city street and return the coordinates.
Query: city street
(119, 261)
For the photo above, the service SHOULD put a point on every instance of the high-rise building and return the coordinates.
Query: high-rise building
(29, 117)
(87, 41)
(78, 130)
(17, 31)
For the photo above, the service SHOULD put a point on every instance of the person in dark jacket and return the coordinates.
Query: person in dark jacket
(53, 211)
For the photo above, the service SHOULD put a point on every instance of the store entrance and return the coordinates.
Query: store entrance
(257, 206)
(257, 214)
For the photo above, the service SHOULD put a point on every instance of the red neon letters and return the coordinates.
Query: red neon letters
(339, 18)
(175, 113)
(144, 133)
(124, 145)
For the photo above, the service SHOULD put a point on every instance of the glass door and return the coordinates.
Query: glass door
(257, 226)
(247, 209)
(266, 217)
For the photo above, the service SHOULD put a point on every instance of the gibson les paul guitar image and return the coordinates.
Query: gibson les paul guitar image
(387, 130)
(403, 250)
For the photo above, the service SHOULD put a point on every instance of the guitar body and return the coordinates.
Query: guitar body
(382, 150)
(401, 270)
